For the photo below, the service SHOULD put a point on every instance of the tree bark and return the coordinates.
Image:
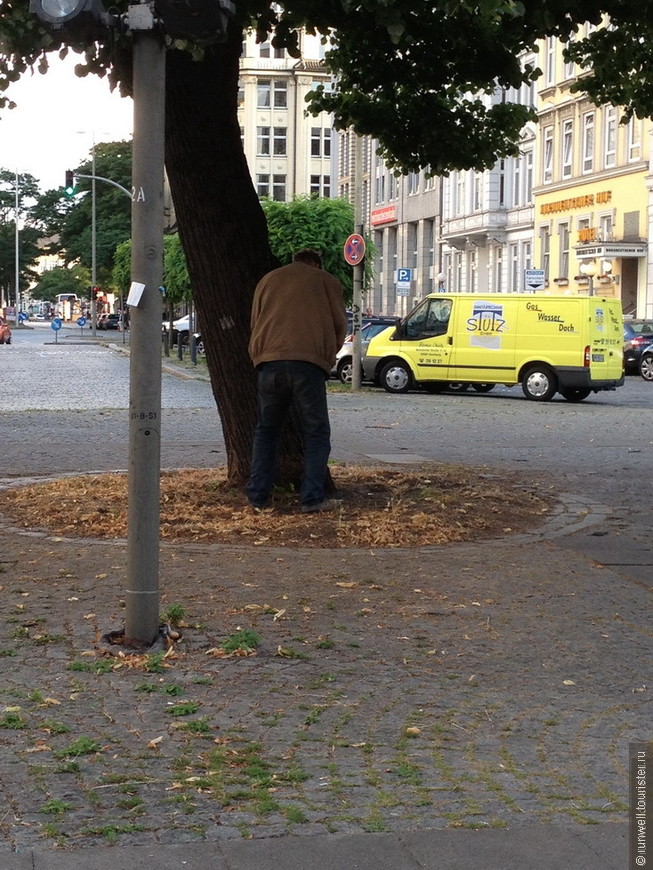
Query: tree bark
(221, 226)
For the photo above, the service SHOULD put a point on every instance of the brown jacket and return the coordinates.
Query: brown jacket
(298, 313)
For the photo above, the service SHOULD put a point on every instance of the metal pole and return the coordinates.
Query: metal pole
(357, 302)
(93, 247)
(142, 597)
(17, 249)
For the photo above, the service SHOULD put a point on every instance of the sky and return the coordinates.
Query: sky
(57, 118)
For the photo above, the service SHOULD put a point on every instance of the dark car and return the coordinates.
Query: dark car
(638, 335)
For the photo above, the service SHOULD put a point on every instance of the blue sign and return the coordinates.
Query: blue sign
(81, 321)
(56, 324)
(403, 276)
(23, 317)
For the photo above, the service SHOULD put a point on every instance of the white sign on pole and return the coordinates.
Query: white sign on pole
(404, 277)
(534, 279)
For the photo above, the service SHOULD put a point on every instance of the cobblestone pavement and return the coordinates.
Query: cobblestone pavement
(487, 685)
(467, 686)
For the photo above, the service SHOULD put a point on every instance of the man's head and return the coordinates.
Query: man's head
(308, 256)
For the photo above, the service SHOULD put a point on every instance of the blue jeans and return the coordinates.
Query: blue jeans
(281, 383)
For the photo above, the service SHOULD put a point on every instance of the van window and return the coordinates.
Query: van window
(429, 319)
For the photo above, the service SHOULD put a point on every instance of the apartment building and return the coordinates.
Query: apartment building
(288, 152)
(592, 193)
(575, 204)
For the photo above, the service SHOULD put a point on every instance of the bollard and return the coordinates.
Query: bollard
(193, 349)
(166, 343)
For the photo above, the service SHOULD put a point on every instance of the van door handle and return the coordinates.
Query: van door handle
(450, 339)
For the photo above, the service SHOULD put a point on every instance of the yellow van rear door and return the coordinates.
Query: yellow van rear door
(606, 339)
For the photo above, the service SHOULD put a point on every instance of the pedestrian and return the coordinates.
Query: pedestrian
(298, 325)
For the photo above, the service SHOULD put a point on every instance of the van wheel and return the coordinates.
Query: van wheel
(539, 383)
(575, 395)
(483, 388)
(457, 387)
(396, 377)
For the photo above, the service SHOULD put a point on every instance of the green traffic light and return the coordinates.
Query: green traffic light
(70, 182)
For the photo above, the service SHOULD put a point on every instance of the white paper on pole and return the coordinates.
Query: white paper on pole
(135, 293)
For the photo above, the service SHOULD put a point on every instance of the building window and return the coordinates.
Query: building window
(279, 188)
(263, 185)
(547, 156)
(478, 191)
(569, 67)
(279, 141)
(516, 181)
(610, 136)
(321, 186)
(502, 183)
(263, 141)
(563, 234)
(411, 245)
(588, 142)
(280, 94)
(393, 186)
(606, 222)
(460, 193)
(528, 192)
(634, 139)
(527, 255)
(567, 148)
(316, 141)
(551, 46)
(514, 269)
(380, 189)
(264, 49)
(326, 142)
(545, 248)
(241, 94)
(413, 183)
(264, 90)
(498, 270)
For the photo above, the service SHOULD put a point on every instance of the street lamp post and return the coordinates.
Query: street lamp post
(589, 270)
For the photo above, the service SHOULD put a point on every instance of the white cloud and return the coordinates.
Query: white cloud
(56, 118)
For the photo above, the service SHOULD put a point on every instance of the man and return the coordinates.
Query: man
(298, 325)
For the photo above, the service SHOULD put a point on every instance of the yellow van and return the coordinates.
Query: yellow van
(567, 344)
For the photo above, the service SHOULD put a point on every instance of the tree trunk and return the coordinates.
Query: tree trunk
(224, 235)
(221, 226)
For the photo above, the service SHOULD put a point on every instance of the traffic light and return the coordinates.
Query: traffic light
(69, 187)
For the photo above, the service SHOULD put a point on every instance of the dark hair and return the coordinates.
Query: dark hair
(308, 256)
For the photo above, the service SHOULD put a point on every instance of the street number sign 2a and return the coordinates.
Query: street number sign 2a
(354, 250)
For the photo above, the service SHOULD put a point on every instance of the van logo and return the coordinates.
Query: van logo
(487, 318)
(486, 325)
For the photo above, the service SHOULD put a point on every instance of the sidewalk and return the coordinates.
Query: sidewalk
(448, 707)
(535, 847)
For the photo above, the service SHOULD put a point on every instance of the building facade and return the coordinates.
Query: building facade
(288, 152)
(574, 205)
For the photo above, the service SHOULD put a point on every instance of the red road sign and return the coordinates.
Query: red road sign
(354, 250)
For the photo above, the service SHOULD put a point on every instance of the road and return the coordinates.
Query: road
(63, 408)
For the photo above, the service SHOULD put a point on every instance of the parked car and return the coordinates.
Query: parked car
(180, 329)
(646, 364)
(5, 332)
(343, 369)
(638, 335)
(111, 321)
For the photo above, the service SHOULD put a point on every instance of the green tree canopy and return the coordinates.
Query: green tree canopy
(61, 280)
(309, 222)
(113, 210)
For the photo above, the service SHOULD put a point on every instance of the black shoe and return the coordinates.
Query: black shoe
(328, 504)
